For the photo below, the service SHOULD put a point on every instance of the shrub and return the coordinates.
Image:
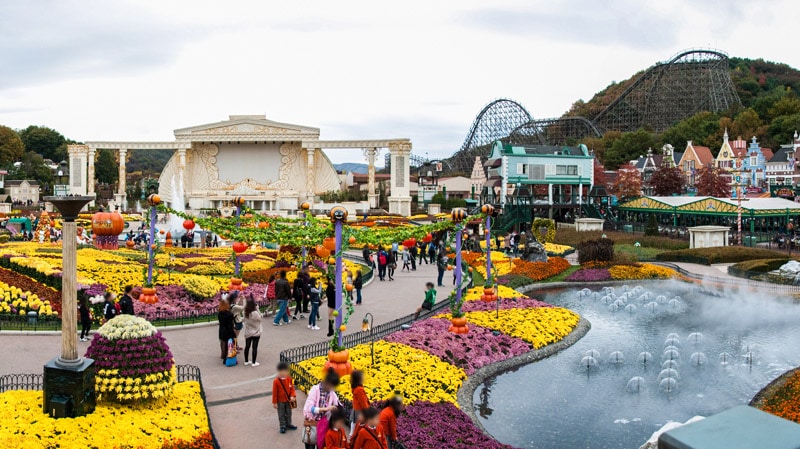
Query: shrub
(544, 223)
(722, 254)
(571, 237)
(4, 238)
(200, 287)
(757, 266)
(652, 226)
(600, 250)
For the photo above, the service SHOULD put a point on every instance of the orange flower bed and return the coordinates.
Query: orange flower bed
(538, 271)
(784, 401)
(596, 264)
(469, 257)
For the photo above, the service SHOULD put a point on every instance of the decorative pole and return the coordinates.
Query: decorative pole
(338, 357)
(305, 207)
(458, 231)
(153, 200)
(69, 378)
(238, 202)
(338, 230)
(458, 321)
(488, 210)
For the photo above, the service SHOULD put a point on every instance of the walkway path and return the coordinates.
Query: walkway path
(240, 409)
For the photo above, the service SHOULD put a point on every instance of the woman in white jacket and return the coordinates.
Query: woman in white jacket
(252, 331)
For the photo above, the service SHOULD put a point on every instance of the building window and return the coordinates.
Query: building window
(522, 169)
(688, 165)
(569, 170)
(753, 161)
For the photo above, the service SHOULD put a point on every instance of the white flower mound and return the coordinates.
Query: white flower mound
(127, 327)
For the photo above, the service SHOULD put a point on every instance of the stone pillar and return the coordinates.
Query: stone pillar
(123, 156)
(372, 195)
(311, 184)
(90, 171)
(181, 173)
(69, 260)
(400, 198)
(77, 169)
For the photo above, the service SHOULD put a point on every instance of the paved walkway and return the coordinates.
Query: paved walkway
(240, 409)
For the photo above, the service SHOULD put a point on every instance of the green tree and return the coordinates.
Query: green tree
(45, 141)
(32, 167)
(106, 168)
(748, 124)
(628, 147)
(651, 229)
(697, 128)
(11, 146)
(788, 105)
(666, 181)
(781, 130)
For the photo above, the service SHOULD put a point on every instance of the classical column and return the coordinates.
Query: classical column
(123, 155)
(311, 188)
(400, 198)
(372, 195)
(77, 169)
(181, 173)
(90, 171)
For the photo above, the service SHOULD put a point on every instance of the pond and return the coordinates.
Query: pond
(663, 351)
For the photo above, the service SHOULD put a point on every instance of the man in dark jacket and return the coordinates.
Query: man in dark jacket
(367, 259)
(282, 294)
(109, 309)
(126, 302)
(330, 295)
(302, 293)
(383, 261)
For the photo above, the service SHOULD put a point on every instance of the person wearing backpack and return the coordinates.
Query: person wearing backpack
(383, 261)
(358, 284)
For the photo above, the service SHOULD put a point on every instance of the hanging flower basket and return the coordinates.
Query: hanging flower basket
(340, 362)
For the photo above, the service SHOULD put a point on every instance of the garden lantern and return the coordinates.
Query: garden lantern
(188, 224)
(366, 325)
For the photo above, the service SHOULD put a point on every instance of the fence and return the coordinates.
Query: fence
(766, 287)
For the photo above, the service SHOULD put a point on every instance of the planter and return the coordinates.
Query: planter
(340, 362)
(148, 295)
(488, 295)
(459, 326)
(236, 284)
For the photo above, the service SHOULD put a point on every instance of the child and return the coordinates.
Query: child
(360, 400)
(283, 396)
(315, 300)
(388, 418)
(336, 437)
(430, 300)
(371, 435)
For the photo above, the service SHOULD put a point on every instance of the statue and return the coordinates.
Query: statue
(534, 251)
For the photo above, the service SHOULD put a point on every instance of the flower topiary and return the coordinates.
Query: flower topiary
(133, 361)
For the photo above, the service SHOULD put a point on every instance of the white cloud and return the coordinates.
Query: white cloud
(137, 70)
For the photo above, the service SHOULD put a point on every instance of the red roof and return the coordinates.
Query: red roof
(703, 154)
(767, 153)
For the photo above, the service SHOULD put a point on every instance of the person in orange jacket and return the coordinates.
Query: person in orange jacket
(283, 395)
(388, 418)
(336, 437)
(371, 435)
(360, 400)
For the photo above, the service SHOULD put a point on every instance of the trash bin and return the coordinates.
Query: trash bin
(627, 228)
(750, 240)
(32, 317)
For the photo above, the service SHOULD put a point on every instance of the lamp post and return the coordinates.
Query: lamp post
(458, 215)
(366, 325)
(305, 207)
(69, 378)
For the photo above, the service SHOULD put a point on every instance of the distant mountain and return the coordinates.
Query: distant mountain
(351, 166)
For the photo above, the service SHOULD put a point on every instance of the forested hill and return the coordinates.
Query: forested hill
(770, 111)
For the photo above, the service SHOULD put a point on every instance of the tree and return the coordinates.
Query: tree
(32, 167)
(106, 168)
(11, 146)
(47, 142)
(600, 174)
(628, 147)
(748, 124)
(666, 181)
(697, 128)
(711, 183)
(651, 229)
(628, 183)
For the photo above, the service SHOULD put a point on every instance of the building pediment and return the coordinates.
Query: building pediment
(247, 128)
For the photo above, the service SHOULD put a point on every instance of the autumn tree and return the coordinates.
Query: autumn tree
(599, 174)
(628, 183)
(711, 183)
(666, 181)
(11, 146)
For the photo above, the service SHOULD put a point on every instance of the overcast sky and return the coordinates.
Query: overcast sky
(137, 70)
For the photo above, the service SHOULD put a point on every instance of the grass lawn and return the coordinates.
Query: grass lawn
(640, 253)
(563, 275)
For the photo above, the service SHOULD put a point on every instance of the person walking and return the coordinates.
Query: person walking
(284, 397)
(388, 419)
(383, 260)
(315, 301)
(86, 318)
(441, 265)
(406, 260)
(252, 331)
(413, 253)
(358, 284)
(390, 269)
(429, 301)
(321, 401)
(282, 294)
(226, 330)
(109, 308)
(432, 253)
(126, 302)
(300, 296)
(269, 295)
(330, 297)
(423, 253)
(367, 256)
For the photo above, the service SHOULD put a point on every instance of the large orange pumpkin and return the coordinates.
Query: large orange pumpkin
(107, 223)
(188, 224)
(329, 243)
(239, 247)
(322, 251)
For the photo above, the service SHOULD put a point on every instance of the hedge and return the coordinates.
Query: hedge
(723, 254)
(571, 237)
(756, 267)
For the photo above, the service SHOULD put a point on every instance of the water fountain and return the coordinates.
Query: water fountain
(588, 363)
(668, 384)
(596, 295)
(630, 308)
(695, 338)
(619, 303)
(616, 358)
(606, 300)
(674, 304)
(613, 307)
(672, 341)
(673, 364)
(668, 373)
(725, 358)
(584, 292)
(635, 385)
(673, 335)
(698, 358)
(661, 299)
(672, 348)
(651, 306)
(625, 288)
(177, 204)
(671, 355)
(592, 353)
(748, 358)
(645, 358)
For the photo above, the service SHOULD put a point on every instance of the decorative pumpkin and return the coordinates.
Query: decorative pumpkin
(329, 243)
(449, 268)
(338, 213)
(168, 240)
(153, 246)
(239, 247)
(305, 206)
(130, 244)
(459, 325)
(349, 287)
(154, 200)
(148, 295)
(188, 224)
(332, 260)
(236, 284)
(487, 209)
(161, 232)
(458, 214)
(263, 224)
(340, 362)
(342, 328)
(107, 223)
(351, 240)
(238, 201)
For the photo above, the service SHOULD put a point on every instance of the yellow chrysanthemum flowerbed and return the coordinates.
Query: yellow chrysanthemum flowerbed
(418, 374)
(558, 250)
(538, 326)
(14, 298)
(474, 294)
(181, 416)
(501, 264)
(643, 271)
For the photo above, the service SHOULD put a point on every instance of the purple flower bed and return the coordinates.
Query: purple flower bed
(133, 357)
(589, 275)
(173, 300)
(509, 303)
(476, 349)
(443, 425)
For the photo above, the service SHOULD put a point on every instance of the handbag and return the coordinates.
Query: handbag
(322, 429)
(309, 432)
(292, 401)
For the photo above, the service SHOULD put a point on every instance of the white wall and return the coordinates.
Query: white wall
(236, 161)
